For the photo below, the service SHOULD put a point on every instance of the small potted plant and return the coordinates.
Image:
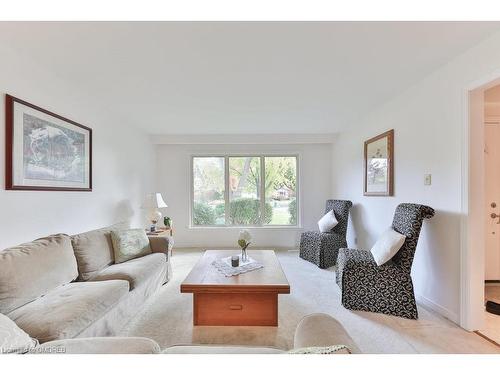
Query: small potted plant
(244, 241)
(167, 221)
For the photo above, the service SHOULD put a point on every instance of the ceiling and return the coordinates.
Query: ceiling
(242, 77)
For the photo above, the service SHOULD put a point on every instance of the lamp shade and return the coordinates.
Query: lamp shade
(154, 200)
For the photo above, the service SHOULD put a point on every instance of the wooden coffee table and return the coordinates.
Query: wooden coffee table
(249, 299)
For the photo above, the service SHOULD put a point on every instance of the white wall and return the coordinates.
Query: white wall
(428, 120)
(173, 174)
(122, 162)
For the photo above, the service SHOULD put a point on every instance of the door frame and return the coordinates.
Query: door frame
(472, 244)
(492, 133)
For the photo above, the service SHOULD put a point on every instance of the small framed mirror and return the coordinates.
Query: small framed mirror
(379, 165)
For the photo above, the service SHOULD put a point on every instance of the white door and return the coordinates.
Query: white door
(492, 186)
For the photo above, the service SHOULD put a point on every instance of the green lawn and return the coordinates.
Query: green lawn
(281, 216)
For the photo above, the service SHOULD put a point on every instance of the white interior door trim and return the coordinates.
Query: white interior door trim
(472, 216)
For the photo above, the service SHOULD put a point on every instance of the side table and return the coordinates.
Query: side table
(166, 233)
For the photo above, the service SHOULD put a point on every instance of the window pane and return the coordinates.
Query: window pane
(244, 190)
(208, 191)
(280, 184)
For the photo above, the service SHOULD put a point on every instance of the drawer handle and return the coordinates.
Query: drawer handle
(235, 307)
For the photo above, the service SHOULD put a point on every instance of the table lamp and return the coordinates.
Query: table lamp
(153, 202)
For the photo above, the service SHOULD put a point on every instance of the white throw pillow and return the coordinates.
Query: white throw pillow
(13, 339)
(387, 246)
(327, 222)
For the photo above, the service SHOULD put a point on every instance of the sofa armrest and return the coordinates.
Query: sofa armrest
(99, 345)
(160, 244)
(322, 330)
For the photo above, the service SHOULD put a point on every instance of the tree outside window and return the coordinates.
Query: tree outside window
(262, 190)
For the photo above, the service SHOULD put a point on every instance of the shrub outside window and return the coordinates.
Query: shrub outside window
(244, 191)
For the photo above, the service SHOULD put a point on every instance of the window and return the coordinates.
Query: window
(208, 187)
(244, 191)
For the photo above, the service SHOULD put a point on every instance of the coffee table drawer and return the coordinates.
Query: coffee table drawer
(235, 309)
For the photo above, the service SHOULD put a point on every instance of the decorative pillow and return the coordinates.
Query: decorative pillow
(129, 244)
(327, 222)
(334, 349)
(387, 246)
(13, 339)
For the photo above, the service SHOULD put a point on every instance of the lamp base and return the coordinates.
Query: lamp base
(153, 217)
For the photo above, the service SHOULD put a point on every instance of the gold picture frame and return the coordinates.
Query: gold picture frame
(379, 165)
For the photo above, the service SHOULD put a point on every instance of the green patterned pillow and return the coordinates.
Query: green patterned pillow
(334, 349)
(129, 244)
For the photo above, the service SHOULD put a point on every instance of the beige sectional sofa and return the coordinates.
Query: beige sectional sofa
(64, 294)
(62, 287)
(315, 330)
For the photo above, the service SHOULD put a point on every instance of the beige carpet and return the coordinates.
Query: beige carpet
(167, 317)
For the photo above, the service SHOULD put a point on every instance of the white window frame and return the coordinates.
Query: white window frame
(262, 157)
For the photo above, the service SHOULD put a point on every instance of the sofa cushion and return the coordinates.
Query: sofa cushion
(68, 310)
(220, 349)
(100, 345)
(12, 338)
(129, 244)
(135, 271)
(33, 269)
(94, 250)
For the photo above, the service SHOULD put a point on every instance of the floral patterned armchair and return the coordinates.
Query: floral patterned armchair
(388, 288)
(322, 248)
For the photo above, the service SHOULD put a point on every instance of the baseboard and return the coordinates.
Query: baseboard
(435, 307)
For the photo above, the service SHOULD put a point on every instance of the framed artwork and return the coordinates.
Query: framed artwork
(45, 151)
(379, 165)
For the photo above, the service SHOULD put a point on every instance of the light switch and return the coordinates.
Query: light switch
(427, 179)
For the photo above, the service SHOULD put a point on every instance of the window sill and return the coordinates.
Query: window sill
(287, 227)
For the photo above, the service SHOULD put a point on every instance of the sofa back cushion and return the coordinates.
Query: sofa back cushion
(94, 250)
(30, 270)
